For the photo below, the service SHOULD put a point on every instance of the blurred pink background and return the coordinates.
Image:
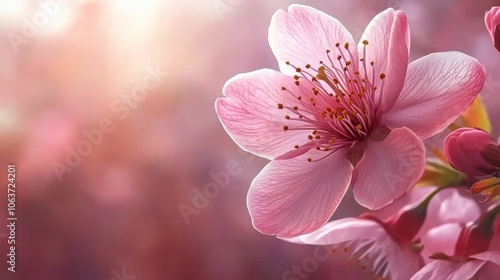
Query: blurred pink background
(68, 66)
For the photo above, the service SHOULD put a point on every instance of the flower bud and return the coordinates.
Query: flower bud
(463, 148)
(492, 21)
(476, 236)
(491, 154)
(407, 222)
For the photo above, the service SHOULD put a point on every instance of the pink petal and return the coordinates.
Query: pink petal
(340, 231)
(303, 35)
(491, 256)
(250, 114)
(448, 270)
(440, 239)
(402, 263)
(492, 21)
(491, 269)
(438, 88)
(449, 206)
(448, 211)
(292, 196)
(492, 18)
(388, 36)
(413, 196)
(389, 168)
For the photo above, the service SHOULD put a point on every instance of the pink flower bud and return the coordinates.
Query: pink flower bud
(492, 20)
(463, 149)
(476, 236)
(406, 223)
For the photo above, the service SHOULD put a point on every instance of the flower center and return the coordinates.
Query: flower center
(337, 102)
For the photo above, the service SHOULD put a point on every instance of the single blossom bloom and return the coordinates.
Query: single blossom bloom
(476, 254)
(468, 150)
(340, 115)
(492, 21)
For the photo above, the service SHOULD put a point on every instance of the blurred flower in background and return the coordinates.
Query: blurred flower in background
(492, 21)
(124, 170)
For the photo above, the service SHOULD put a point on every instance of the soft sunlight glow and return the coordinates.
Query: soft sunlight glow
(9, 120)
(11, 9)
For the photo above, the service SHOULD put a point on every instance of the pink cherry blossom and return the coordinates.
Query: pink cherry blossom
(393, 248)
(492, 21)
(484, 265)
(368, 244)
(476, 254)
(383, 245)
(340, 115)
(448, 211)
(463, 148)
